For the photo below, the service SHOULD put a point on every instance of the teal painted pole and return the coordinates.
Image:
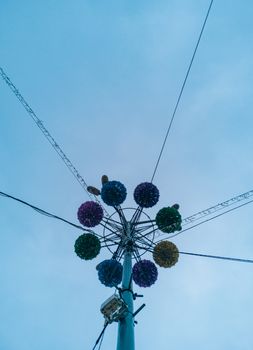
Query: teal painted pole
(126, 325)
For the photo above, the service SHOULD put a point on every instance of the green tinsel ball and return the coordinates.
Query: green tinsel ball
(168, 220)
(165, 254)
(87, 246)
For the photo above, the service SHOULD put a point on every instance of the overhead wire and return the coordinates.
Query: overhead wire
(182, 89)
(209, 211)
(101, 341)
(201, 214)
(217, 207)
(218, 257)
(100, 337)
(47, 135)
(104, 239)
(112, 237)
(46, 213)
(202, 222)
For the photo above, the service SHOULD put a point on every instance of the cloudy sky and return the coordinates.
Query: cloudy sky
(104, 78)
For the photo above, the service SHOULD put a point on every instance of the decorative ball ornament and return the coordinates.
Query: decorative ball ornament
(168, 220)
(87, 246)
(166, 254)
(110, 272)
(113, 193)
(146, 195)
(144, 273)
(90, 214)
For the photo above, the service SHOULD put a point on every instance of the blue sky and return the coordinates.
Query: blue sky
(104, 78)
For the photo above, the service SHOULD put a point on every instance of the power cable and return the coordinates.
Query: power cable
(204, 213)
(47, 134)
(101, 341)
(218, 257)
(202, 222)
(43, 212)
(100, 337)
(182, 89)
(217, 207)
(209, 256)
(105, 239)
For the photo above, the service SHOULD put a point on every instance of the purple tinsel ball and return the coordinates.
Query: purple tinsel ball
(113, 193)
(144, 273)
(110, 272)
(90, 214)
(146, 195)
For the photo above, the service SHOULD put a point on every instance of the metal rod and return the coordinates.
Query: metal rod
(138, 310)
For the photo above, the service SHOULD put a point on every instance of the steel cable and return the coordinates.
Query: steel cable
(182, 89)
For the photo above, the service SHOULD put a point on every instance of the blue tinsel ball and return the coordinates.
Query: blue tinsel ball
(144, 273)
(113, 193)
(110, 272)
(146, 195)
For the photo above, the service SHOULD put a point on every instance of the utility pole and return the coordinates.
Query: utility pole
(126, 324)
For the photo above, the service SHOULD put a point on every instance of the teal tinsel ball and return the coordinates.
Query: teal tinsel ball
(168, 220)
(87, 246)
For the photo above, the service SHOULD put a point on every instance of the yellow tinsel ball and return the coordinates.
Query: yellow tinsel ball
(165, 254)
